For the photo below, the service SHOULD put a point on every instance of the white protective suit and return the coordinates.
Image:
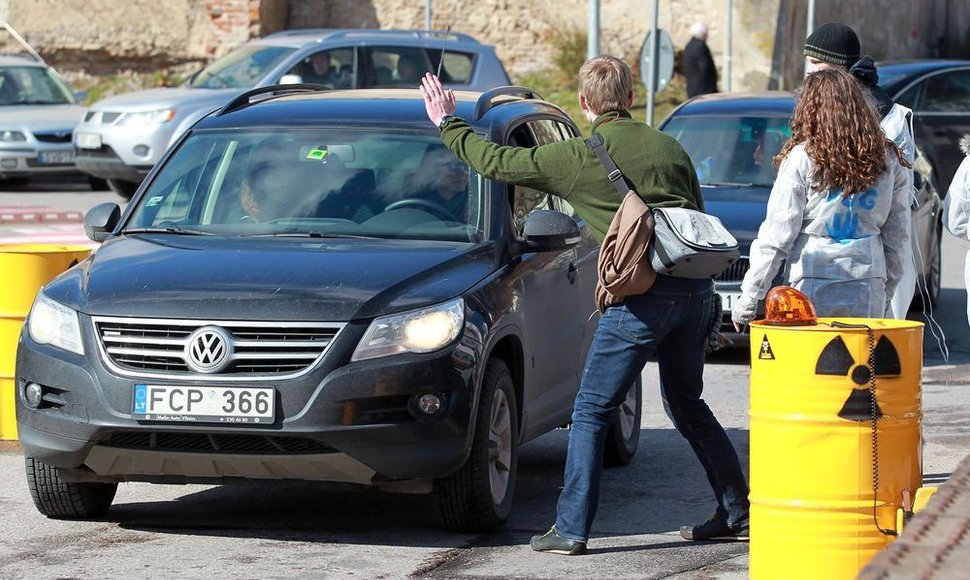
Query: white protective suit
(956, 208)
(844, 252)
(898, 126)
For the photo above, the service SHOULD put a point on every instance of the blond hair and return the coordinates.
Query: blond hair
(606, 82)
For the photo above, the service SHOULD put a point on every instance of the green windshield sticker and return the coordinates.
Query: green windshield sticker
(316, 154)
(155, 200)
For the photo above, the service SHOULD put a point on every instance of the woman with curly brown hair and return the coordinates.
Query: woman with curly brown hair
(838, 210)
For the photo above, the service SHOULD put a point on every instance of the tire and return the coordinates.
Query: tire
(14, 181)
(623, 438)
(478, 497)
(59, 499)
(97, 184)
(125, 189)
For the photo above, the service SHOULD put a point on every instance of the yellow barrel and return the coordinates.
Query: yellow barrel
(811, 443)
(24, 268)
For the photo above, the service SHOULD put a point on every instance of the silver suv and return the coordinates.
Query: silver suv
(120, 138)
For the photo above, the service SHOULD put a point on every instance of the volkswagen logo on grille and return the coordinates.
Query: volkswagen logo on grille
(209, 350)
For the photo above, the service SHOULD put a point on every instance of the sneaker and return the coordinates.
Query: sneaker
(716, 528)
(553, 543)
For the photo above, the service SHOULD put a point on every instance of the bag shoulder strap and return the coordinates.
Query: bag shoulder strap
(598, 146)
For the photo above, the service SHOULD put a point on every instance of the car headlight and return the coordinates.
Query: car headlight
(55, 324)
(12, 136)
(148, 117)
(418, 331)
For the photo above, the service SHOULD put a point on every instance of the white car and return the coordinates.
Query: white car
(38, 113)
(122, 137)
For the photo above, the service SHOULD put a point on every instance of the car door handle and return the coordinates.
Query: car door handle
(571, 273)
(939, 133)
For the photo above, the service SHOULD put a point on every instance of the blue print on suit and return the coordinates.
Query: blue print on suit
(844, 225)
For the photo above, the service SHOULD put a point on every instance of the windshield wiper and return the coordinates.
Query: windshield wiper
(168, 230)
(40, 102)
(318, 234)
(727, 184)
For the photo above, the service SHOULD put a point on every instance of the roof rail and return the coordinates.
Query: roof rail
(301, 32)
(435, 34)
(243, 99)
(487, 100)
(29, 49)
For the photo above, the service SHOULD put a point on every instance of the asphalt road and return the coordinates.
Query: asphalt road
(314, 531)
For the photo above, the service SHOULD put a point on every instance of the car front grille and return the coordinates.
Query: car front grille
(158, 348)
(735, 272)
(59, 137)
(217, 443)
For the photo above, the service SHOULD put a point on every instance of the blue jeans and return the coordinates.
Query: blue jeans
(671, 320)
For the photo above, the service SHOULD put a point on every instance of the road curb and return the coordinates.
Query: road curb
(37, 214)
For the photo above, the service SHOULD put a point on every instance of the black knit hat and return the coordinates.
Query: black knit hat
(833, 43)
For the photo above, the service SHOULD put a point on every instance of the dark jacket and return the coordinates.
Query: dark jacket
(654, 163)
(699, 68)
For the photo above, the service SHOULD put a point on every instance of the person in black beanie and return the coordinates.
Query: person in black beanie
(835, 45)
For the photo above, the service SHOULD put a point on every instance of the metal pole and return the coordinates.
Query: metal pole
(728, 44)
(653, 72)
(593, 34)
(810, 24)
(427, 14)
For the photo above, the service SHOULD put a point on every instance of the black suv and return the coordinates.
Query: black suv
(309, 286)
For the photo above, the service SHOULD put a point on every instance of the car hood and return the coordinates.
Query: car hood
(740, 209)
(41, 118)
(154, 99)
(268, 279)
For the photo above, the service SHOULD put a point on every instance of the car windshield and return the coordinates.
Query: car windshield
(731, 150)
(241, 68)
(32, 85)
(322, 182)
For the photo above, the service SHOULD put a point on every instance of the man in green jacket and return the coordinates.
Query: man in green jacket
(671, 320)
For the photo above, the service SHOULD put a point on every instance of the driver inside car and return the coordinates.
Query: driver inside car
(442, 181)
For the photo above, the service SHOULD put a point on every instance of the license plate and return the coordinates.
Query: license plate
(729, 299)
(179, 403)
(87, 140)
(56, 157)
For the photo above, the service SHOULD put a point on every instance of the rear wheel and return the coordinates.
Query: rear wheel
(125, 189)
(97, 184)
(623, 438)
(478, 497)
(56, 498)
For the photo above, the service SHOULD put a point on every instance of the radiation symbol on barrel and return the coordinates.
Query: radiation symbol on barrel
(837, 360)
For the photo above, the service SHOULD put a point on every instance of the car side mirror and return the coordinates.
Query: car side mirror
(80, 96)
(290, 80)
(101, 220)
(546, 230)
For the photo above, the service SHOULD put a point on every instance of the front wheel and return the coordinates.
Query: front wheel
(59, 499)
(125, 189)
(478, 497)
(623, 438)
(929, 294)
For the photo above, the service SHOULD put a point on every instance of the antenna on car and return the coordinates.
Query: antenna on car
(441, 59)
(24, 43)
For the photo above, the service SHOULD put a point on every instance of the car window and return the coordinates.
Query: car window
(913, 96)
(525, 200)
(33, 85)
(947, 93)
(241, 68)
(731, 150)
(396, 66)
(315, 182)
(332, 68)
(457, 67)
